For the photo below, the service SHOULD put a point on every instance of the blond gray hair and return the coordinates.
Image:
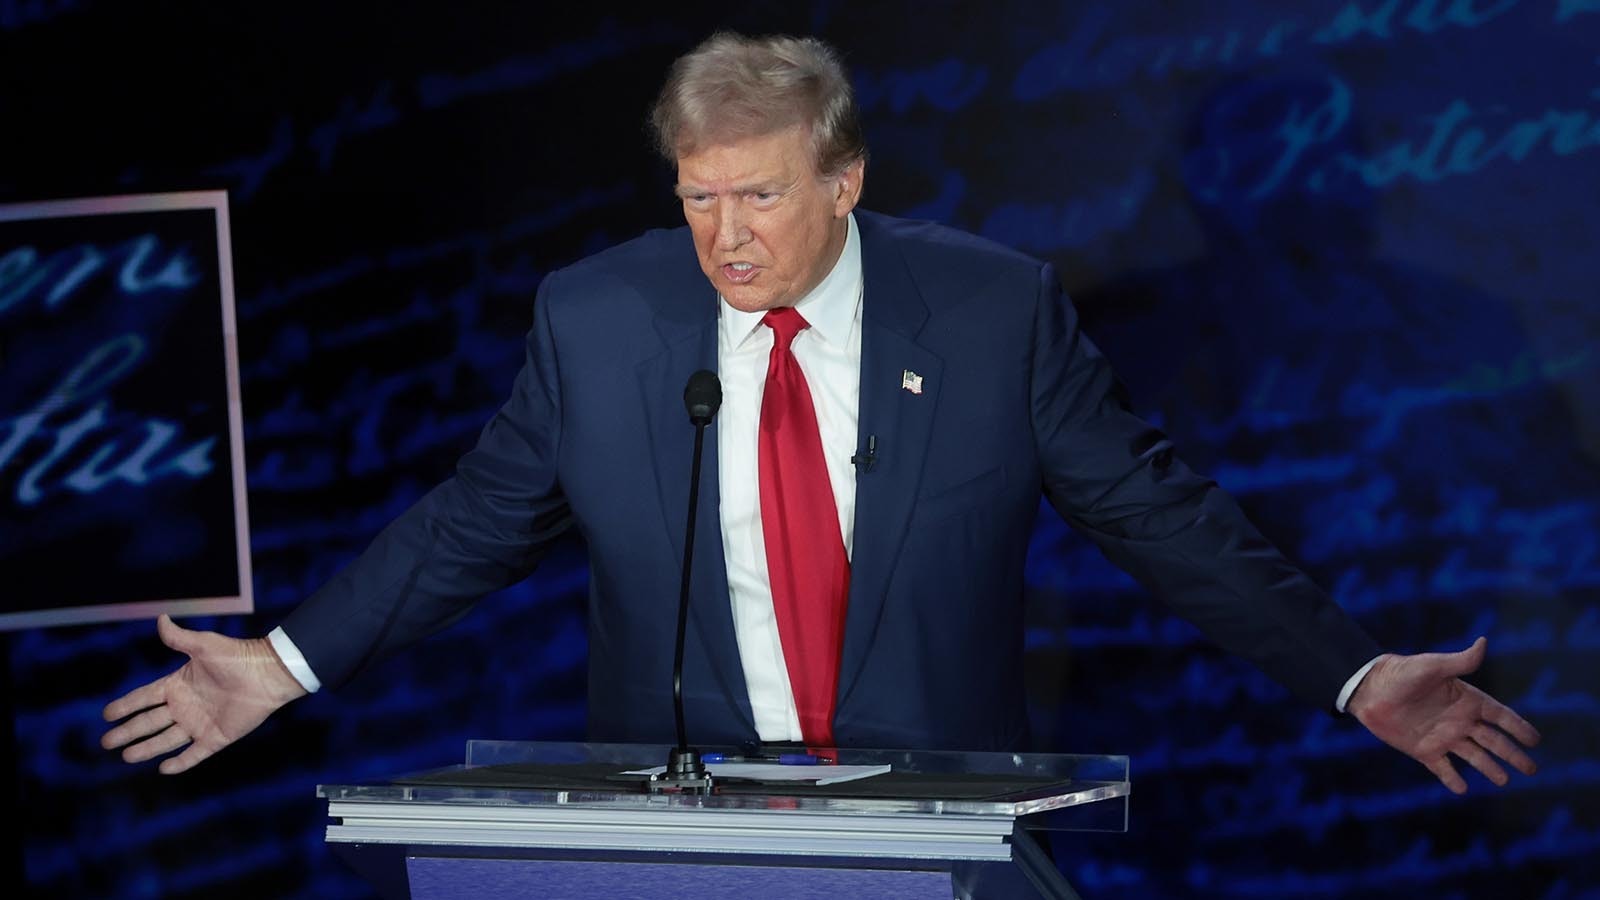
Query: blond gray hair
(732, 86)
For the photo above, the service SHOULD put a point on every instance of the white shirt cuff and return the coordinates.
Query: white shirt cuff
(1349, 686)
(295, 662)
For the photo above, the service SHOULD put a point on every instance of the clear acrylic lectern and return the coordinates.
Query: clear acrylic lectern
(555, 820)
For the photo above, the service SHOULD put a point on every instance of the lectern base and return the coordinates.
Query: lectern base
(401, 872)
(505, 879)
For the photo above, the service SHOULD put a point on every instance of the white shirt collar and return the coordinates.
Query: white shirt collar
(831, 308)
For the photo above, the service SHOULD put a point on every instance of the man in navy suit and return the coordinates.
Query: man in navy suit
(898, 396)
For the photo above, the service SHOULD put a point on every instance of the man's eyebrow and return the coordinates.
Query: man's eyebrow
(757, 187)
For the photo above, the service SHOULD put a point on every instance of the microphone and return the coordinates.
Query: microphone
(702, 397)
(865, 460)
(686, 773)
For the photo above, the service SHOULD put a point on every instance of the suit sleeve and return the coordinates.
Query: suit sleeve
(485, 528)
(1117, 479)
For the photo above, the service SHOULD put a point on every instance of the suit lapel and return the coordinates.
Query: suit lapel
(687, 324)
(893, 312)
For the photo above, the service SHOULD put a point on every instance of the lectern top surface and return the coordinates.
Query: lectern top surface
(521, 774)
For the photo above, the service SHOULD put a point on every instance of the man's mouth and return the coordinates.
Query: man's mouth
(739, 272)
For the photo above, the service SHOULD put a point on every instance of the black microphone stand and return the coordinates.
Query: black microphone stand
(685, 772)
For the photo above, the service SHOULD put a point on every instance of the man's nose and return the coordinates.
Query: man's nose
(732, 233)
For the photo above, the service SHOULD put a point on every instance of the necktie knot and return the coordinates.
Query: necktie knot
(785, 322)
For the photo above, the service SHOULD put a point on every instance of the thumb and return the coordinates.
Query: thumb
(176, 636)
(1465, 662)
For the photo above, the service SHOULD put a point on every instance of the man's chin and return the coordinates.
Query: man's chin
(750, 301)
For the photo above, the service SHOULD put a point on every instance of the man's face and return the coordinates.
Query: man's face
(767, 227)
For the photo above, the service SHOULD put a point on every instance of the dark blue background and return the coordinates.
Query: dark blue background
(1342, 250)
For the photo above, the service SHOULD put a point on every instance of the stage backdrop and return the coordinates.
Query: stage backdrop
(1342, 250)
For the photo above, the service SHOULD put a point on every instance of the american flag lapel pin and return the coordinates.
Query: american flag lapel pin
(911, 381)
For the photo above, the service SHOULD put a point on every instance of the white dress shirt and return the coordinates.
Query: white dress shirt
(829, 354)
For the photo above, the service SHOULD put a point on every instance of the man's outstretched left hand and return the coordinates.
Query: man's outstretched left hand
(1420, 706)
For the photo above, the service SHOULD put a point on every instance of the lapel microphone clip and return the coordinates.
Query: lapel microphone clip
(865, 460)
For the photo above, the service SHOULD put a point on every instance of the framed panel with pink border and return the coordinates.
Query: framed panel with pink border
(122, 475)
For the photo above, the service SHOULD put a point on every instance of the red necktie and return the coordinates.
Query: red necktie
(806, 562)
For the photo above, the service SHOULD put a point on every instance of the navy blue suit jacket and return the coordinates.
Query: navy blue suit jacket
(1015, 403)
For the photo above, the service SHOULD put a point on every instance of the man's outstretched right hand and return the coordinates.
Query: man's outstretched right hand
(227, 688)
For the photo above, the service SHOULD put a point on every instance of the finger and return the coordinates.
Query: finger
(192, 756)
(165, 742)
(1479, 759)
(176, 636)
(1465, 662)
(152, 694)
(143, 725)
(1507, 720)
(1447, 775)
(1500, 745)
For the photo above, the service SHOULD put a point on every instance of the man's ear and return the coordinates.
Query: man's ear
(847, 188)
